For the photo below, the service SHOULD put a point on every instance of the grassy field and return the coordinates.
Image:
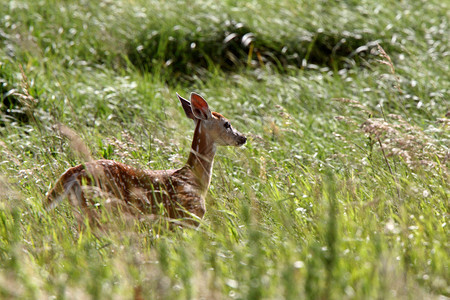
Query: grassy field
(341, 191)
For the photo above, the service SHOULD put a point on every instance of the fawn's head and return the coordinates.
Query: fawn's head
(214, 125)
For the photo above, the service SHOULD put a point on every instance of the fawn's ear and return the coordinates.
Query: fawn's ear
(199, 107)
(186, 107)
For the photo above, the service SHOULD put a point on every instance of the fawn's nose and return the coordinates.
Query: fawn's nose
(242, 140)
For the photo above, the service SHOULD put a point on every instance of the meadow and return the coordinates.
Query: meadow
(341, 191)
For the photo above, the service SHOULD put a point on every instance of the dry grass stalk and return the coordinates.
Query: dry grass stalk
(389, 167)
(75, 141)
(24, 97)
(387, 61)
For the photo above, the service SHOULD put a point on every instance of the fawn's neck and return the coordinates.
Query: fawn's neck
(201, 158)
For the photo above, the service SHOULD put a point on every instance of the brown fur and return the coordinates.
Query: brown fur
(138, 192)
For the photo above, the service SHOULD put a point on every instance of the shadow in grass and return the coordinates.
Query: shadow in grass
(178, 52)
(11, 109)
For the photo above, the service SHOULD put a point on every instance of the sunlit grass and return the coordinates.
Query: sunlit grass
(341, 191)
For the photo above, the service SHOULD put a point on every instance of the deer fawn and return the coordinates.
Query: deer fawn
(175, 194)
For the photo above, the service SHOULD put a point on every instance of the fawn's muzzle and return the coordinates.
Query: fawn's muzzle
(241, 141)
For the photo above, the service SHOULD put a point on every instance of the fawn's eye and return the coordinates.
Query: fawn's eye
(227, 125)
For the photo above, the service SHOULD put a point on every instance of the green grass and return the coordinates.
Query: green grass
(340, 193)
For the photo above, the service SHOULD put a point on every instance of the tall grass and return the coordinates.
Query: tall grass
(341, 191)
